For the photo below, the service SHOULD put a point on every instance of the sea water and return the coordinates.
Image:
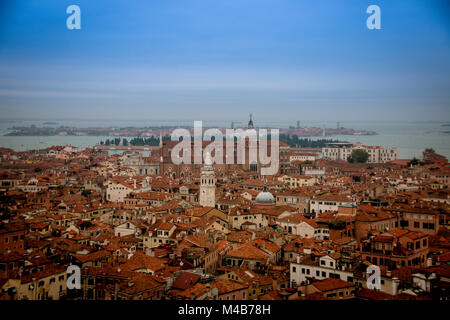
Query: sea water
(411, 138)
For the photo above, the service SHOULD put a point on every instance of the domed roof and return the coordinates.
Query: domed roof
(265, 198)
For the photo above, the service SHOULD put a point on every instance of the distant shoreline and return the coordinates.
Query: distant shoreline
(164, 130)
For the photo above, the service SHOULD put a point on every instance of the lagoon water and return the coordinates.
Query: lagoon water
(411, 138)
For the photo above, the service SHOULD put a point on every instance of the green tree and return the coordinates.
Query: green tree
(413, 162)
(359, 156)
(124, 142)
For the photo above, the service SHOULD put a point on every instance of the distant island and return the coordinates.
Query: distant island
(291, 140)
(155, 131)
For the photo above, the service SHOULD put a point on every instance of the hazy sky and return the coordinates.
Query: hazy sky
(224, 59)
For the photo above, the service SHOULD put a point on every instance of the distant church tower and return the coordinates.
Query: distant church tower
(208, 184)
(250, 122)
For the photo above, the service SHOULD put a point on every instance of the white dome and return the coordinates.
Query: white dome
(264, 197)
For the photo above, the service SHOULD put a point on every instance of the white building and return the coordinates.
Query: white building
(314, 172)
(119, 188)
(329, 202)
(126, 229)
(303, 157)
(377, 154)
(328, 266)
(305, 228)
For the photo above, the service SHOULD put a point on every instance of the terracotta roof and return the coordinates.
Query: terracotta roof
(227, 286)
(92, 256)
(248, 251)
(186, 280)
(330, 284)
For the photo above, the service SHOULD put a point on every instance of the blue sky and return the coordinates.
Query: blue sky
(224, 59)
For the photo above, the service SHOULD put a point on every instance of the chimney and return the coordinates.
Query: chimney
(274, 284)
(395, 285)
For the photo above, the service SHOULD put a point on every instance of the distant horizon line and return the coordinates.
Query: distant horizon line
(222, 120)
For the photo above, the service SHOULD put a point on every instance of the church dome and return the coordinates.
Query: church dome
(265, 198)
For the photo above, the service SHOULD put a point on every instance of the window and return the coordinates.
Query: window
(322, 262)
(294, 269)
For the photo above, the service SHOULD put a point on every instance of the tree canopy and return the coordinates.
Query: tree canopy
(359, 156)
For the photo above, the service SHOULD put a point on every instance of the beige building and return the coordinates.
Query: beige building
(48, 284)
(296, 181)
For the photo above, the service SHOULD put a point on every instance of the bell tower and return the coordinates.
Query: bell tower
(207, 184)
(250, 122)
